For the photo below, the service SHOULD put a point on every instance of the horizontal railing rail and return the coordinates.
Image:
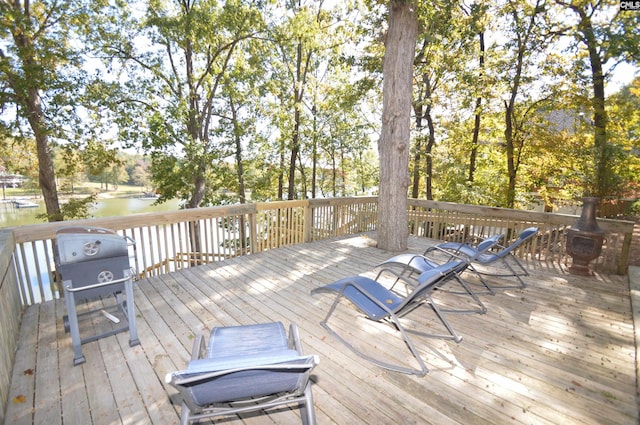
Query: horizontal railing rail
(169, 241)
(458, 222)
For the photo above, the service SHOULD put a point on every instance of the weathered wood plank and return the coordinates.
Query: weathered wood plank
(48, 406)
(75, 403)
(559, 351)
(102, 404)
(400, 404)
(22, 392)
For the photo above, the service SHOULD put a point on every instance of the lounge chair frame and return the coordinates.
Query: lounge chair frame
(412, 264)
(501, 255)
(299, 365)
(381, 304)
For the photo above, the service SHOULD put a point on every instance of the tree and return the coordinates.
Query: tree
(40, 77)
(608, 41)
(297, 39)
(395, 140)
(444, 43)
(174, 85)
(101, 162)
(624, 130)
(478, 15)
(19, 156)
(340, 134)
(70, 164)
(524, 24)
(140, 175)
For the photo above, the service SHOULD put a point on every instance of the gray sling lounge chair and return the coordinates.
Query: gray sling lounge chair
(415, 264)
(488, 258)
(381, 304)
(245, 369)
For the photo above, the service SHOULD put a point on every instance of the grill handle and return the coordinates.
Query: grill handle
(97, 285)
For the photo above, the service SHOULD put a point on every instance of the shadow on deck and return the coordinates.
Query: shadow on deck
(560, 351)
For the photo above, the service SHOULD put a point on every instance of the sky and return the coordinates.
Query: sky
(623, 75)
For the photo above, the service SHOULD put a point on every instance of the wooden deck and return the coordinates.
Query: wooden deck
(561, 351)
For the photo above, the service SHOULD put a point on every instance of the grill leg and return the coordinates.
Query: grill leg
(78, 357)
(131, 310)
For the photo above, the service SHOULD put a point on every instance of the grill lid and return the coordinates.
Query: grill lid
(80, 244)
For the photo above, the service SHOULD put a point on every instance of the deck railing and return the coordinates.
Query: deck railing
(10, 315)
(444, 220)
(168, 241)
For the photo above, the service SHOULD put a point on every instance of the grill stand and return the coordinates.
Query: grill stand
(127, 306)
(93, 264)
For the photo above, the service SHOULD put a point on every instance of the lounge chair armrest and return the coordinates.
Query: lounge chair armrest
(206, 369)
(438, 248)
(199, 350)
(294, 338)
(452, 252)
(396, 275)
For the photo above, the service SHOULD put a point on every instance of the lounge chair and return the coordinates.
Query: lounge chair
(491, 258)
(245, 369)
(415, 264)
(381, 304)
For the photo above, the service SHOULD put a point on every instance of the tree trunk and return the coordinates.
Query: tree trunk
(239, 163)
(314, 153)
(602, 154)
(509, 140)
(417, 159)
(295, 148)
(476, 124)
(281, 172)
(431, 142)
(396, 122)
(511, 127)
(242, 234)
(298, 91)
(35, 116)
(46, 173)
(418, 111)
(199, 189)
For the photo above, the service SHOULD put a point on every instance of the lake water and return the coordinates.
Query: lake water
(11, 216)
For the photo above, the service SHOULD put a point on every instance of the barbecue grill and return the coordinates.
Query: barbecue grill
(94, 264)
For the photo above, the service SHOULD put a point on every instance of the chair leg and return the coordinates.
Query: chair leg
(489, 288)
(390, 366)
(514, 273)
(184, 414)
(307, 412)
(452, 333)
(482, 309)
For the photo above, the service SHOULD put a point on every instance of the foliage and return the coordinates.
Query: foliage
(40, 77)
(239, 100)
(603, 37)
(624, 114)
(73, 209)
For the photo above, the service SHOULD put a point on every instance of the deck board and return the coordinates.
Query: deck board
(560, 351)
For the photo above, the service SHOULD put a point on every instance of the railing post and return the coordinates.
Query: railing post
(625, 254)
(253, 231)
(308, 222)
